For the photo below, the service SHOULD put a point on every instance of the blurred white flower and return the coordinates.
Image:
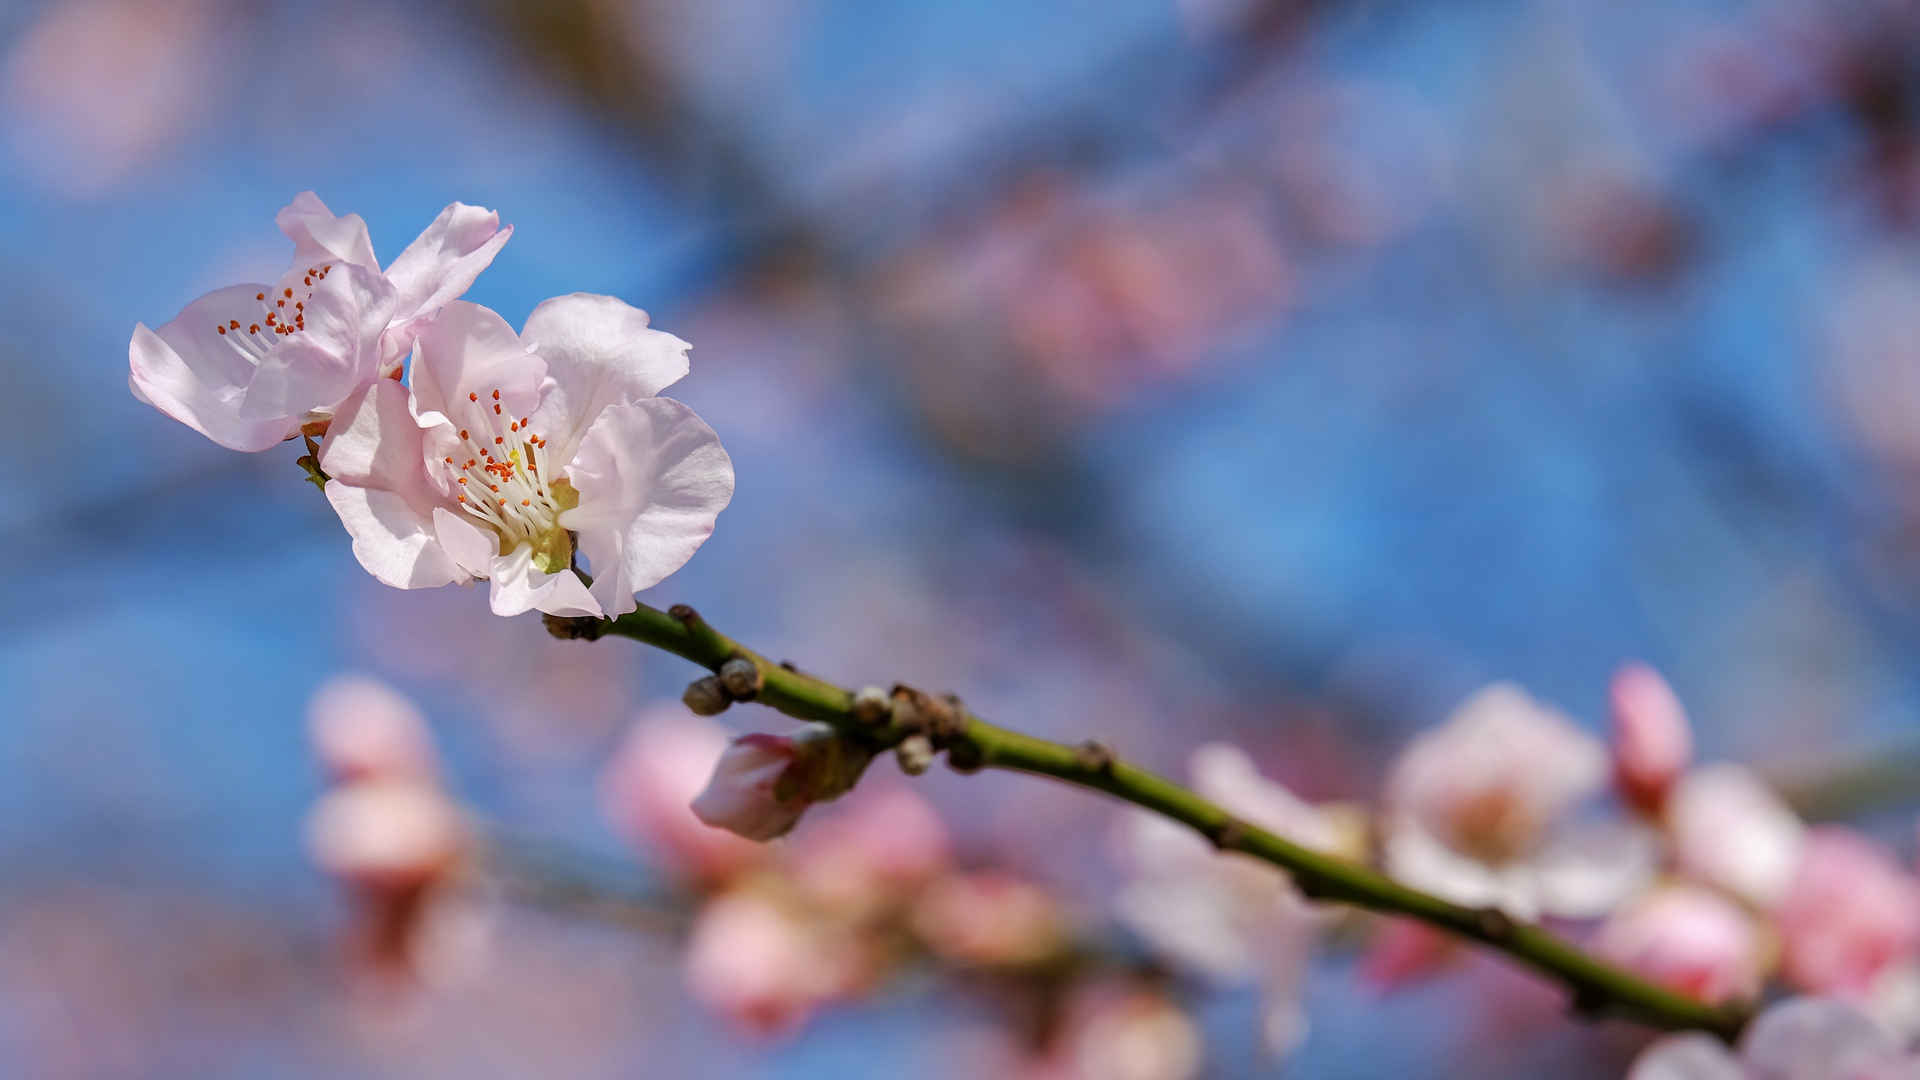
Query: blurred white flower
(1229, 917)
(1476, 812)
(1728, 829)
(386, 835)
(1851, 915)
(362, 729)
(1798, 1039)
(766, 966)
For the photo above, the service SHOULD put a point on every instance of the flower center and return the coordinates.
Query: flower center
(281, 314)
(504, 482)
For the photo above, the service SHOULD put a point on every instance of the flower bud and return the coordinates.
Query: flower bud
(1651, 742)
(763, 783)
(706, 696)
(915, 754)
(871, 705)
(364, 730)
(741, 677)
(385, 835)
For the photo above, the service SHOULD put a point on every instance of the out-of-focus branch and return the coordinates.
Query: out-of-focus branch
(971, 743)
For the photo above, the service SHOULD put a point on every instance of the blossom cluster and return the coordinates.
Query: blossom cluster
(454, 449)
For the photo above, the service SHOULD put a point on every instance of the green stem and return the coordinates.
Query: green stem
(970, 742)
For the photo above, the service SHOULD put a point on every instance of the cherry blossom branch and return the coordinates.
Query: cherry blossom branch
(919, 725)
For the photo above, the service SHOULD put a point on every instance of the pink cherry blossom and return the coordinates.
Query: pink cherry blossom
(507, 449)
(365, 730)
(766, 966)
(247, 365)
(386, 836)
(872, 853)
(990, 918)
(1476, 811)
(1652, 744)
(1728, 829)
(1850, 915)
(1798, 1039)
(1690, 939)
(648, 786)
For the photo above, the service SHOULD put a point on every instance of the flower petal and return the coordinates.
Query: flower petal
(392, 539)
(1815, 1038)
(464, 354)
(519, 588)
(600, 352)
(471, 548)
(375, 442)
(1690, 1056)
(652, 478)
(1729, 829)
(443, 261)
(198, 375)
(319, 236)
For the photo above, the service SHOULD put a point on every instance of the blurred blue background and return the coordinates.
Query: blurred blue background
(1162, 369)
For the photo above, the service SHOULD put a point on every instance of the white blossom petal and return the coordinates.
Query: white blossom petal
(1690, 1055)
(600, 352)
(445, 259)
(1818, 1039)
(198, 375)
(518, 587)
(652, 479)
(319, 235)
(1587, 869)
(1729, 829)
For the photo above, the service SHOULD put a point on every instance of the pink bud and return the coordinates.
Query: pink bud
(647, 786)
(763, 783)
(363, 729)
(385, 835)
(1689, 939)
(1851, 914)
(1652, 744)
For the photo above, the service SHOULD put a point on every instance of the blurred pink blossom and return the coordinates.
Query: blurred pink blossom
(1690, 939)
(1798, 1039)
(874, 852)
(1652, 744)
(1850, 915)
(362, 729)
(766, 966)
(1404, 950)
(991, 918)
(386, 836)
(647, 791)
(1476, 807)
(1728, 829)
(1229, 917)
(763, 783)
(1122, 1031)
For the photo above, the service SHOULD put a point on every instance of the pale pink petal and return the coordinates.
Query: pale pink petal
(1690, 1055)
(445, 259)
(393, 540)
(740, 796)
(1652, 744)
(471, 547)
(1816, 1039)
(388, 834)
(197, 375)
(319, 236)
(1192, 921)
(1730, 830)
(1689, 939)
(363, 729)
(381, 492)
(1403, 951)
(336, 354)
(1587, 869)
(464, 354)
(1851, 915)
(600, 352)
(652, 479)
(648, 786)
(1116, 1032)
(1227, 775)
(518, 587)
